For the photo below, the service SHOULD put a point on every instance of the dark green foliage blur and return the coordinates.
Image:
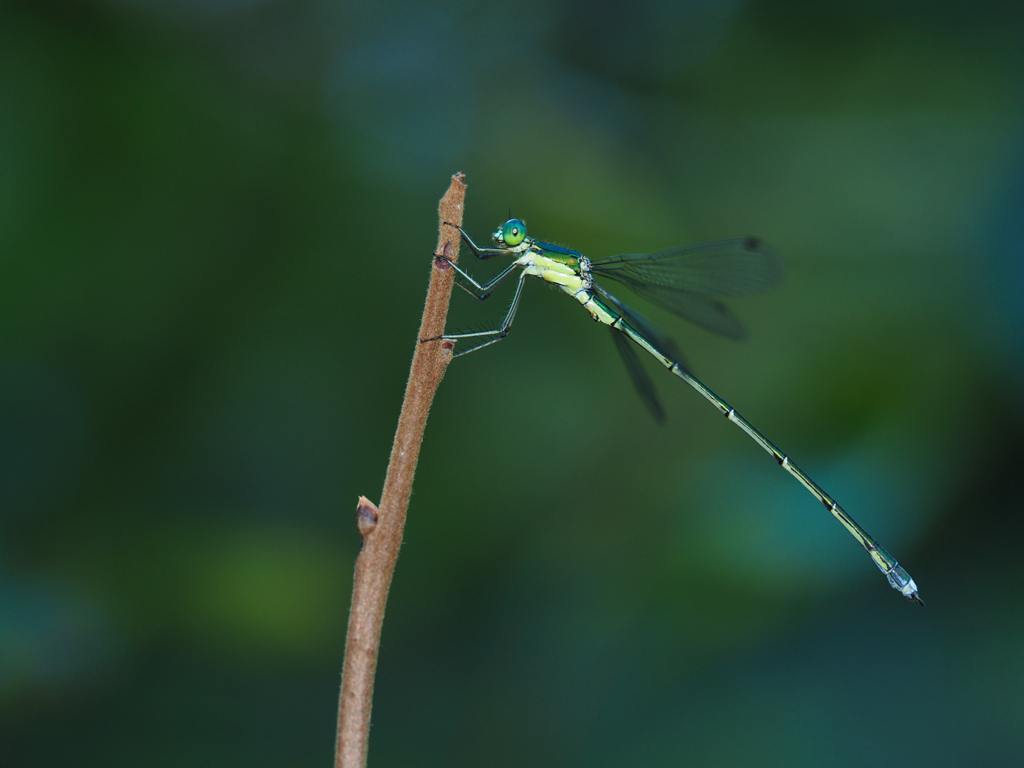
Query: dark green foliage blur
(216, 221)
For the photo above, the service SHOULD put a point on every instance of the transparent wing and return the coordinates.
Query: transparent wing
(688, 280)
(649, 330)
(637, 373)
(641, 381)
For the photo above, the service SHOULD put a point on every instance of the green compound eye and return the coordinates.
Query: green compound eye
(513, 232)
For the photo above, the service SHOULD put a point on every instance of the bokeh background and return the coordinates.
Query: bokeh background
(216, 221)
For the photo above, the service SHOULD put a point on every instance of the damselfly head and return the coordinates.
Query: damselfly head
(511, 233)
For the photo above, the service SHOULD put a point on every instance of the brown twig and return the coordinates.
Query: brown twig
(382, 528)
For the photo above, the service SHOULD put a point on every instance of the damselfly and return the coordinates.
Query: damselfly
(688, 281)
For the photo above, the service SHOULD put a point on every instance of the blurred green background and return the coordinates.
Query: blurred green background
(216, 221)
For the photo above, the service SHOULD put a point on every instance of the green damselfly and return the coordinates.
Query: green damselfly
(689, 281)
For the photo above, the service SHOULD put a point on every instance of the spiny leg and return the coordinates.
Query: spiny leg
(487, 288)
(480, 253)
(499, 334)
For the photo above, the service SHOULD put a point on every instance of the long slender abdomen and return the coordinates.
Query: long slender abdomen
(897, 576)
